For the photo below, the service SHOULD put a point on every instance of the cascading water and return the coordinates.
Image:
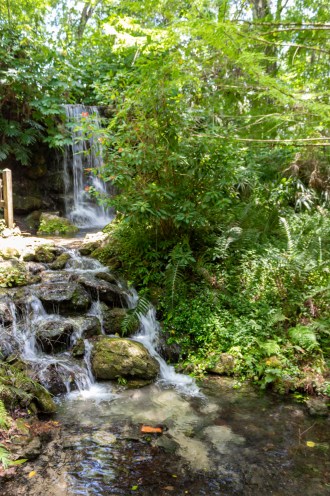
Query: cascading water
(148, 335)
(30, 323)
(80, 157)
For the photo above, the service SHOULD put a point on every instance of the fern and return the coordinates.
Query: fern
(4, 457)
(4, 417)
(305, 337)
(181, 256)
(290, 247)
(270, 347)
(134, 315)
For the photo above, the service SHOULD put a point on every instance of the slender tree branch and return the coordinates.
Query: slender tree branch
(300, 28)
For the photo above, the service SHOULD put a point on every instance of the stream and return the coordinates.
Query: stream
(216, 439)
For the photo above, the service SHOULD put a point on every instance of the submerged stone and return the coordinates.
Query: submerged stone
(113, 358)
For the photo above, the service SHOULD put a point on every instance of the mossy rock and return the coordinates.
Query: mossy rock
(26, 204)
(60, 262)
(222, 364)
(44, 254)
(9, 253)
(54, 335)
(113, 358)
(113, 319)
(44, 400)
(54, 224)
(68, 297)
(78, 349)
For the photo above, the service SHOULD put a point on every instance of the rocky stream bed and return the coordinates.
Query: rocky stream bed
(61, 326)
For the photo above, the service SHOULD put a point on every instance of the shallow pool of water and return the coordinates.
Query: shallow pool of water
(224, 442)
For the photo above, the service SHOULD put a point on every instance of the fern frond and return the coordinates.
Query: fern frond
(305, 337)
(4, 457)
(4, 417)
(133, 316)
(285, 224)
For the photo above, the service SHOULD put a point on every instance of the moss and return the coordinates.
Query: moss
(60, 262)
(53, 224)
(44, 400)
(44, 254)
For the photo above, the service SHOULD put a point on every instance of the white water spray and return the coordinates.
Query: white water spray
(148, 335)
(83, 155)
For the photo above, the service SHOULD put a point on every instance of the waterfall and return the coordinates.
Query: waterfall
(148, 335)
(80, 157)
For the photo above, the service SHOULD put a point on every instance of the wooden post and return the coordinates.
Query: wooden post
(8, 198)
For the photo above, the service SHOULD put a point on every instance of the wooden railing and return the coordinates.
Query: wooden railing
(6, 197)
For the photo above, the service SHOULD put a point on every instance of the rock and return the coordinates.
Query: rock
(113, 358)
(92, 242)
(7, 233)
(106, 276)
(9, 252)
(60, 261)
(318, 406)
(44, 400)
(78, 349)
(54, 379)
(66, 297)
(103, 290)
(32, 450)
(170, 352)
(33, 219)
(44, 254)
(54, 335)
(6, 315)
(88, 325)
(113, 318)
(26, 204)
(167, 443)
(54, 224)
(223, 364)
(34, 267)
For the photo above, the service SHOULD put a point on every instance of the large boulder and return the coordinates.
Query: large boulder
(113, 358)
(67, 297)
(54, 334)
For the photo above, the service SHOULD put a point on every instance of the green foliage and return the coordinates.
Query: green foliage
(4, 457)
(13, 276)
(15, 386)
(56, 226)
(131, 319)
(4, 417)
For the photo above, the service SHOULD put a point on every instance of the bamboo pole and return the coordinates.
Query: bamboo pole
(8, 198)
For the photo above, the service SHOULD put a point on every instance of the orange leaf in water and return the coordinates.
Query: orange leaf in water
(148, 429)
